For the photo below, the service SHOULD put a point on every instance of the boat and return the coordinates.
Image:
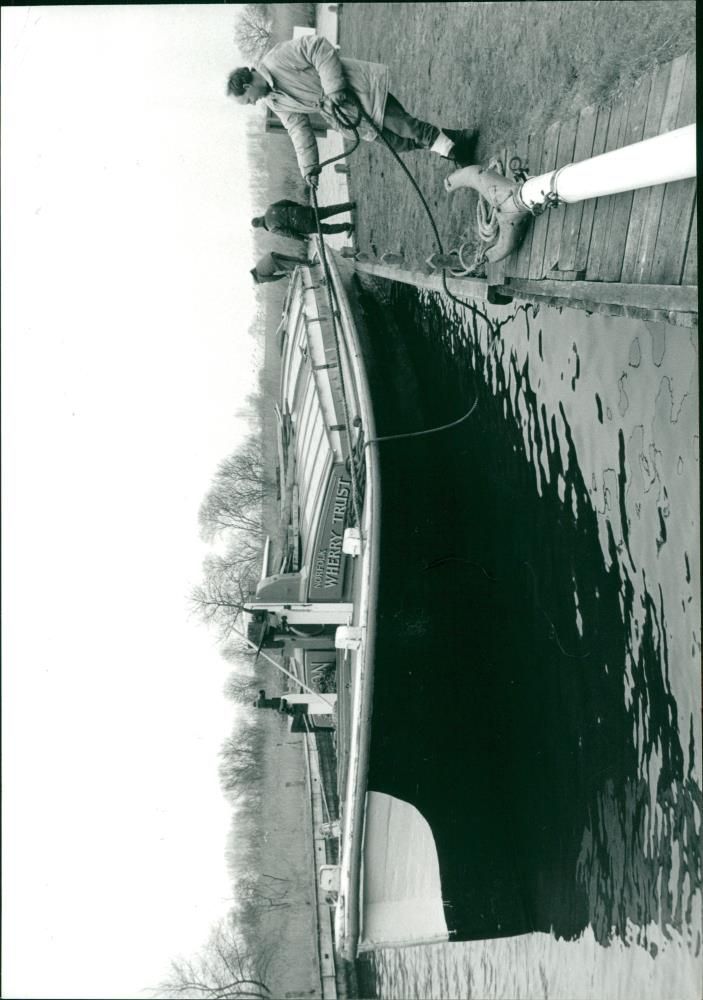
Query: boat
(338, 596)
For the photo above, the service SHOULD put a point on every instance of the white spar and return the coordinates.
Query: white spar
(660, 160)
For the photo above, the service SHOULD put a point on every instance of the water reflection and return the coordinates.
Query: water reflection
(573, 557)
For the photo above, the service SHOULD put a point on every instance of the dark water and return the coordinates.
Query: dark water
(538, 681)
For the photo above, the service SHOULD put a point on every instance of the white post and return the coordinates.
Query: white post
(316, 613)
(660, 160)
(265, 560)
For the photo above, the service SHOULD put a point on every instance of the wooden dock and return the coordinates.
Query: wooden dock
(633, 254)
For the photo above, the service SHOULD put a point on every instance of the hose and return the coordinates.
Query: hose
(488, 224)
(345, 122)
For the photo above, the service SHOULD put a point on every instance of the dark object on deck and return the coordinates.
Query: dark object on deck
(263, 702)
(465, 141)
(497, 298)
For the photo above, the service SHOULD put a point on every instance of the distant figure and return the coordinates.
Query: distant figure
(290, 218)
(274, 266)
(263, 702)
(306, 75)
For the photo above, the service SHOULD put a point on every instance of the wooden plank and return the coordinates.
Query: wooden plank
(604, 206)
(611, 268)
(585, 133)
(678, 298)
(558, 275)
(687, 104)
(496, 272)
(655, 107)
(673, 233)
(534, 158)
(476, 288)
(690, 270)
(583, 242)
(642, 269)
(541, 224)
(677, 205)
(565, 154)
(518, 149)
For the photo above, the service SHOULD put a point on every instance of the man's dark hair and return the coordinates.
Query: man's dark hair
(237, 81)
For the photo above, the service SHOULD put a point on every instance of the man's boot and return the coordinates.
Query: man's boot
(464, 145)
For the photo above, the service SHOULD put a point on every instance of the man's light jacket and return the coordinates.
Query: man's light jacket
(301, 72)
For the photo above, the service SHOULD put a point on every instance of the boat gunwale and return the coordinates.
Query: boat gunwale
(347, 927)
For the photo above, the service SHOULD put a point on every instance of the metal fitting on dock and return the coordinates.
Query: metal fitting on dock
(348, 637)
(501, 195)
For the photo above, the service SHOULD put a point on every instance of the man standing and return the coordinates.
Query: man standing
(289, 218)
(306, 75)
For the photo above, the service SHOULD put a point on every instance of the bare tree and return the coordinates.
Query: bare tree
(241, 688)
(235, 498)
(241, 761)
(252, 30)
(222, 971)
(219, 599)
(257, 892)
(227, 583)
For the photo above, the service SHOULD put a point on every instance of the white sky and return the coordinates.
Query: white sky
(125, 308)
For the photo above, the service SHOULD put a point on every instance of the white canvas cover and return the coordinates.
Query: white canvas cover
(401, 900)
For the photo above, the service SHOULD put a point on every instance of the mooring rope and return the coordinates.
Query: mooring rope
(278, 666)
(486, 214)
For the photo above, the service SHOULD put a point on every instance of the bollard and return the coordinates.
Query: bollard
(394, 259)
(496, 298)
(438, 261)
(351, 542)
(348, 637)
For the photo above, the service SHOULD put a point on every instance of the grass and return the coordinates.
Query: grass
(506, 68)
(285, 16)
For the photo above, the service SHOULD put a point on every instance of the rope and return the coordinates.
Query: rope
(278, 666)
(432, 430)
(486, 214)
